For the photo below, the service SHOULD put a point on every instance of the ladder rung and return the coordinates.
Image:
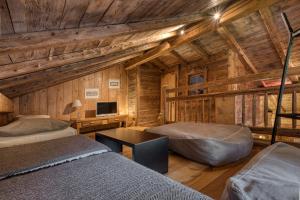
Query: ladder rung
(290, 115)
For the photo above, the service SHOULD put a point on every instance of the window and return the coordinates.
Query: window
(195, 79)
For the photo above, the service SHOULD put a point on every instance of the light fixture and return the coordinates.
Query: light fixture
(217, 16)
(182, 32)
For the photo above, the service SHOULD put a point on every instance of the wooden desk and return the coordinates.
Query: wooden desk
(89, 125)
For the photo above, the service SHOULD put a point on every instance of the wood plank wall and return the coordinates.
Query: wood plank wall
(56, 101)
(144, 95)
(149, 82)
(6, 109)
(222, 109)
(132, 96)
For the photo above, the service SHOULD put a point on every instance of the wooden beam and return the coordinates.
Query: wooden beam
(226, 35)
(159, 64)
(267, 18)
(28, 41)
(179, 57)
(58, 77)
(16, 69)
(269, 75)
(281, 132)
(233, 12)
(258, 91)
(150, 55)
(200, 51)
(69, 68)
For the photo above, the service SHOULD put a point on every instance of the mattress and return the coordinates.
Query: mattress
(274, 173)
(208, 143)
(39, 137)
(83, 171)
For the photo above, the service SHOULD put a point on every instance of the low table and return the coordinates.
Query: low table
(148, 149)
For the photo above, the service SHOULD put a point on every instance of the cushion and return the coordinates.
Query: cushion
(208, 143)
(274, 173)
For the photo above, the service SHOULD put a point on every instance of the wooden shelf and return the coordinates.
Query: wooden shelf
(88, 125)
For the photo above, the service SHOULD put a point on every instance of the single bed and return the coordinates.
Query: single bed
(33, 129)
(274, 173)
(79, 168)
(208, 143)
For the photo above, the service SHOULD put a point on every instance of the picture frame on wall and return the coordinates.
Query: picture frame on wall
(114, 84)
(92, 93)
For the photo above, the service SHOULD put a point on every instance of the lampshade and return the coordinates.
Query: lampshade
(76, 103)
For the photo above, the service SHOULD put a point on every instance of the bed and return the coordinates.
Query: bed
(31, 129)
(78, 168)
(208, 143)
(274, 173)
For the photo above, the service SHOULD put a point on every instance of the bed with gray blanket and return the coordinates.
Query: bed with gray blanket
(208, 143)
(78, 168)
(26, 130)
(274, 173)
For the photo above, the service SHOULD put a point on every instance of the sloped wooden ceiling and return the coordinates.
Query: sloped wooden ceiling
(43, 43)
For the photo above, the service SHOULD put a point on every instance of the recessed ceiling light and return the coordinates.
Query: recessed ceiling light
(217, 16)
(182, 32)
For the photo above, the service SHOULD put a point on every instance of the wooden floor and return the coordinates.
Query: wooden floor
(205, 179)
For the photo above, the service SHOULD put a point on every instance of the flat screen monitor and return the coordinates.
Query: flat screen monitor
(106, 108)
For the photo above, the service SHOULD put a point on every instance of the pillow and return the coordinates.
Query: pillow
(30, 126)
(32, 116)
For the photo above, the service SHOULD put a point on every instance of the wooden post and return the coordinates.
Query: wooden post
(165, 96)
(184, 114)
(294, 108)
(254, 110)
(209, 110)
(266, 110)
(203, 107)
(243, 109)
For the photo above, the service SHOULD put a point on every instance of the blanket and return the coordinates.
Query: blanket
(30, 157)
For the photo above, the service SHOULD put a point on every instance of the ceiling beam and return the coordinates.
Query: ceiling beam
(233, 12)
(267, 18)
(231, 41)
(68, 69)
(200, 51)
(179, 57)
(159, 64)
(229, 38)
(27, 41)
(16, 69)
(150, 55)
(58, 77)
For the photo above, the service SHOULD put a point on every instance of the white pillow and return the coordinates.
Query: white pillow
(32, 116)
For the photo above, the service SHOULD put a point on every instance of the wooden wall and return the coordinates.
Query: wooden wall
(144, 95)
(132, 96)
(149, 85)
(225, 110)
(6, 110)
(56, 101)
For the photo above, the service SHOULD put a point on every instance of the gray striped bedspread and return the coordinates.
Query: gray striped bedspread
(65, 174)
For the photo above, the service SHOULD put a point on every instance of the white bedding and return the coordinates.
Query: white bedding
(39, 137)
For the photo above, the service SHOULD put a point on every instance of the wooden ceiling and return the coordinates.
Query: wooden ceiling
(43, 42)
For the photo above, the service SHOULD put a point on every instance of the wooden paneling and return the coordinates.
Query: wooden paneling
(144, 95)
(56, 101)
(149, 95)
(6, 104)
(132, 95)
(6, 110)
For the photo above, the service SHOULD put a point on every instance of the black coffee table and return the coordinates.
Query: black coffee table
(148, 149)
